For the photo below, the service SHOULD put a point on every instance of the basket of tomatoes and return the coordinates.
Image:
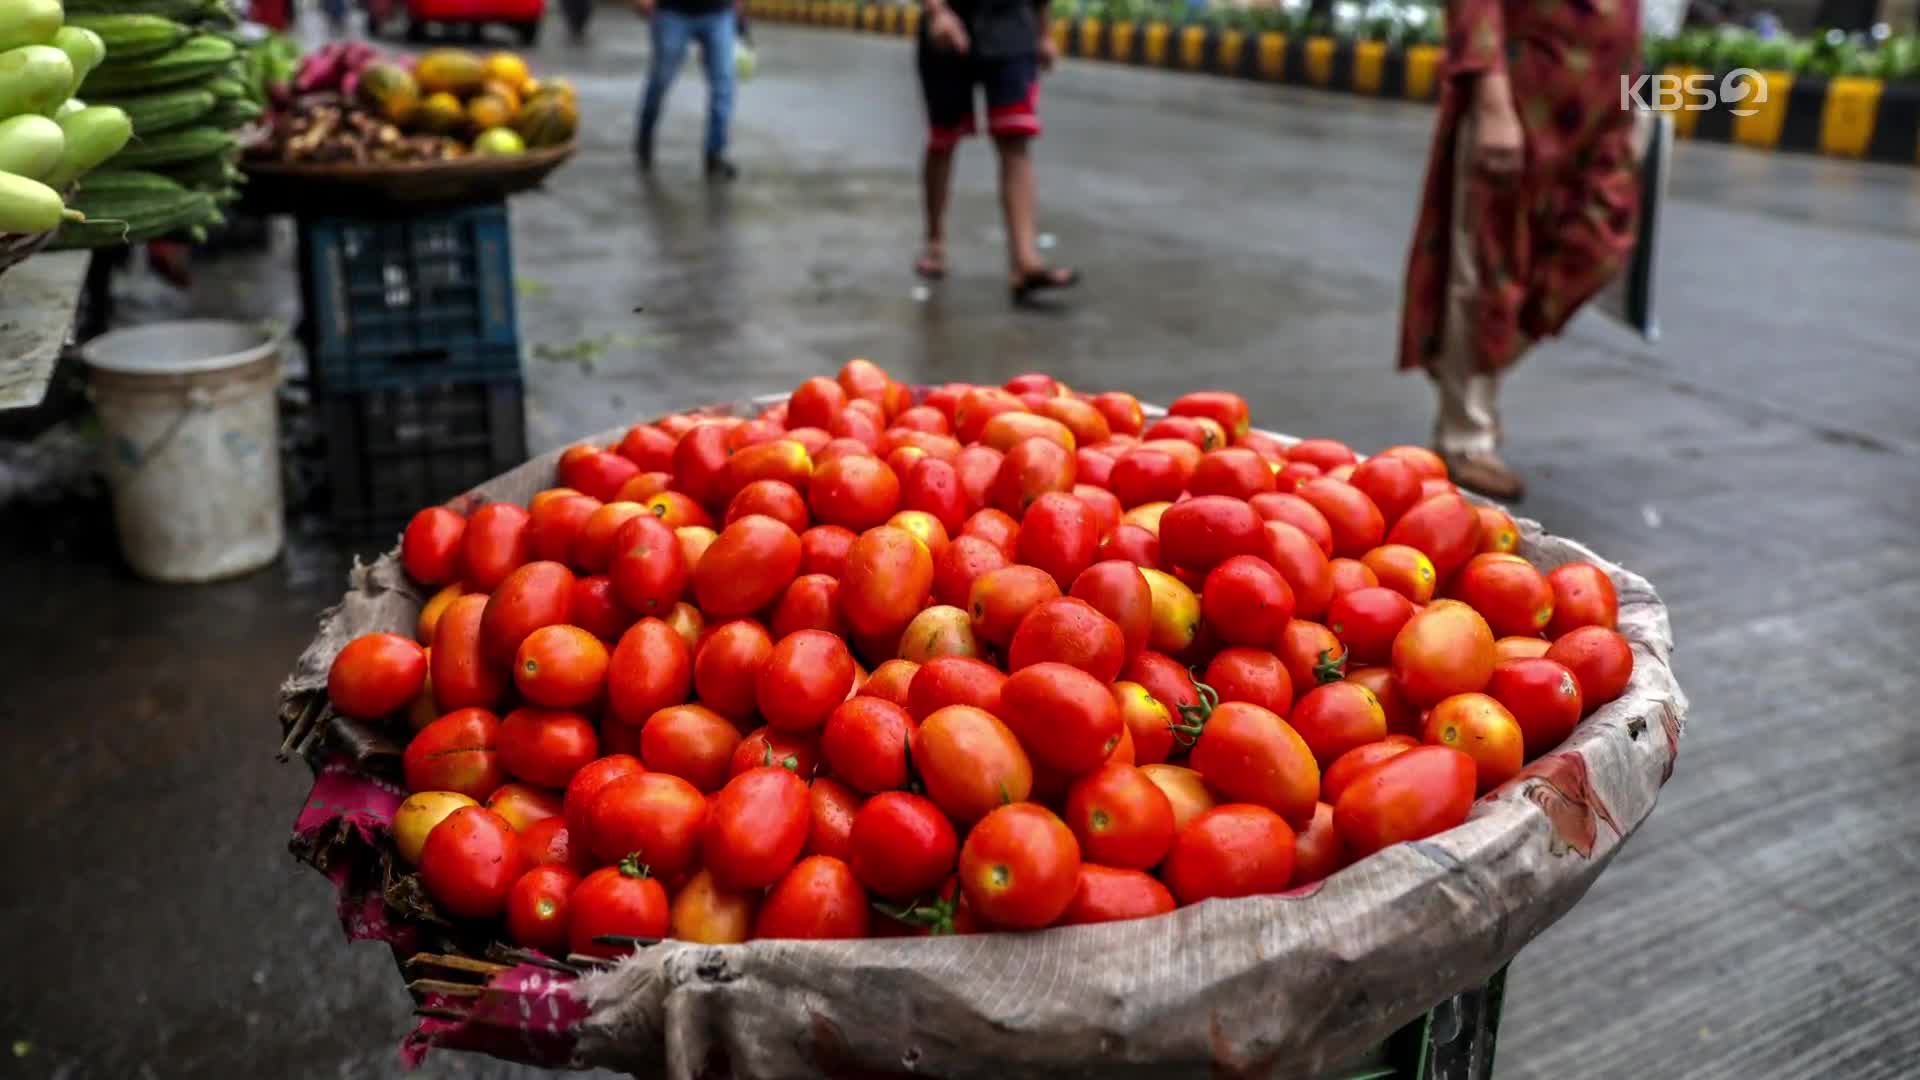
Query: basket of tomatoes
(868, 730)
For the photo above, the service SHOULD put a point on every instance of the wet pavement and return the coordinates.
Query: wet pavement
(1761, 465)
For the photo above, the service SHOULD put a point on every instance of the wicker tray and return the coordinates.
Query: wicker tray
(16, 247)
(275, 186)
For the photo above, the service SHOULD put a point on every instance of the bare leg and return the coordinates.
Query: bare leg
(1016, 203)
(936, 179)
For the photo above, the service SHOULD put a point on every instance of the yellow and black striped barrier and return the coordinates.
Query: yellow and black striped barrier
(1842, 117)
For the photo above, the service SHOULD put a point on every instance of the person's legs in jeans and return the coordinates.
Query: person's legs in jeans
(672, 32)
(946, 84)
(716, 33)
(1013, 91)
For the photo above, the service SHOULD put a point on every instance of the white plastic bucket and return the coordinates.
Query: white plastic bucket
(192, 445)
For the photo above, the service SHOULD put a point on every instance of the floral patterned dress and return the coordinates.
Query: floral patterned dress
(1556, 233)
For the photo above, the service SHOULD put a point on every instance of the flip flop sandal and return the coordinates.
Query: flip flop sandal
(929, 268)
(1034, 282)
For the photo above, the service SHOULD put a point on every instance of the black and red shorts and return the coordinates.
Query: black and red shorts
(1011, 85)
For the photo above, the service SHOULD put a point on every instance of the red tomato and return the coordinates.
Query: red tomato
(598, 473)
(494, 545)
(1324, 454)
(819, 899)
(538, 906)
(524, 805)
(1543, 696)
(807, 675)
(1201, 432)
(1064, 717)
(1105, 894)
(593, 547)
(1232, 850)
(1229, 410)
(546, 746)
(470, 862)
(1583, 595)
(797, 752)
(728, 667)
(1498, 533)
(887, 578)
(995, 527)
(1121, 410)
(1105, 508)
(1133, 544)
(865, 743)
(587, 783)
(1116, 589)
(700, 465)
(1318, 850)
(1507, 591)
(979, 467)
(1071, 632)
(962, 562)
(776, 499)
(676, 510)
(1145, 475)
(707, 914)
(1426, 464)
(532, 596)
(1403, 569)
(823, 550)
(835, 449)
(1303, 564)
(643, 487)
(652, 816)
(970, 762)
(1120, 817)
(756, 828)
(1000, 600)
(923, 418)
(1170, 683)
(1411, 796)
(901, 846)
(430, 548)
(1032, 383)
(376, 674)
(1444, 650)
(858, 425)
(1356, 522)
(1446, 528)
(812, 602)
(1367, 621)
(691, 742)
(1392, 484)
(977, 407)
(1020, 867)
(561, 667)
(554, 526)
(1337, 717)
(830, 827)
(1235, 472)
(1483, 729)
(1251, 675)
(456, 753)
(1032, 467)
(1349, 575)
(1247, 601)
(923, 527)
(933, 486)
(461, 676)
(1402, 717)
(624, 900)
(820, 400)
(547, 843)
(1009, 429)
(746, 568)
(891, 681)
(1351, 764)
(1313, 655)
(954, 680)
(1205, 531)
(648, 447)
(854, 492)
(649, 670)
(1092, 467)
(861, 378)
(1600, 659)
(1248, 754)
(1293, 474)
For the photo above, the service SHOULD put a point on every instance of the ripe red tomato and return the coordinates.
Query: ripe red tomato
(891, 681)
(651, 815)
(1411, 796)
(1059, 535)
(1543, 696)
(1392, 484)
(692, 742)
(923, 418)
(1229, 410)
(376, 674)
(747, 567)
(1132, 544)
(1402, 717)
(700, 465)
(811, 602)
(854, 492)
(1356, 522)
(806, 676)
(546, 746)
(707, 914)
(1250, 755)
(1299, 513)
(1064, 717)
(963, 562)
(1105, 508)
(933, 485)
(547, 843)
(1444, 650)
(1303, 564)
(823, 550)
(1201, 432)
(1367, 620)
(1120, 817)
(1232, 850)
(1313, 655)
(1247, 601)
(1116, 589)
(1324, 454)
(1008, 430)
(1446, 528)
(1167, 681)
(1000, 600)
(538, 907)
(837, 448)
(601, 475)
(1144, 475)
(457, 752)
(1507, 591)
(1020, 867)
(1232, 471)
(1351, 764)
(979, 405)
(797, 752)
(954, 680)
(623, 900)
(1293, 474)
(524, 806)
(780, 459)
(995, 527)
(978, 467)
(923, 527)
(554, 526)
(1350, 574)
(1106, 894)
(1086, 423)
(902, 846)
(592, 548)
(1202, 532)
(832, 806)
(1251, 675)
(860, 378)
(430, 548)
(648, 447)
(1072, 632)
(865, 743)
(970, 762)
(1484, 730)
(532, 596)
(776, 499)
(494, 545)
(1331, 720)
(1122, 411)
(587, 783)
(819, 899)
(1403, 569)
(859, 424)
(470, 862)
(1318, 850)
(1583, 595)
(1498, 533)
(561, 667)
(886, 581)
(728, 667)
(1600, 659)
(649, 670)
(756, 828)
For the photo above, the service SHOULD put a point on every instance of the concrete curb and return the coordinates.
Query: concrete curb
(1841, 117)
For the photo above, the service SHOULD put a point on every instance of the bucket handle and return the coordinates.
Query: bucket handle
(197, 400)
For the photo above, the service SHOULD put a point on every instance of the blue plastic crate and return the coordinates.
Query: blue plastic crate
(396, 301)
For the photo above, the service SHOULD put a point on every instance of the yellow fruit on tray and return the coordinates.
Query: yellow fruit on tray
(499, 142)
(509, 68)
(451, 71)
(487, 111)
(440, 113)
(547, 120)
(508, 94)
(387, 89)
(547, 87)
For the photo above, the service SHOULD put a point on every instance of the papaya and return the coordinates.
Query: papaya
(508, 94)
(508, 68)
(388, 90)
(439, 113)
(547, 120)
(449, 71)
(486, 111)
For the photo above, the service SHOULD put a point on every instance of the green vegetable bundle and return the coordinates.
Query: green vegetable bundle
(48, 139)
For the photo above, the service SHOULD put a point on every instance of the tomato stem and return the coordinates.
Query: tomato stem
(631, 866)
(1329, 670)
(1193, 718)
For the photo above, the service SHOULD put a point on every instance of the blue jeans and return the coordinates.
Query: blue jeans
(673, 32)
